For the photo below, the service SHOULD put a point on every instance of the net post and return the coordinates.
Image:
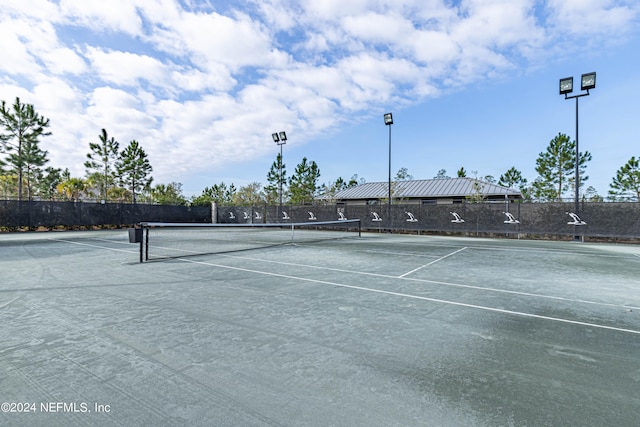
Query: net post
(147, 244)
(359, 227)
(139, 225)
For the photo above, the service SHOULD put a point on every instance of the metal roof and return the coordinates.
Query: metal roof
(426, 188)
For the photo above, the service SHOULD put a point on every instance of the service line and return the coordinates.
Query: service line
(431, 263)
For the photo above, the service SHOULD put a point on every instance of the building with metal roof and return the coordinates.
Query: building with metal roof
(425, 191)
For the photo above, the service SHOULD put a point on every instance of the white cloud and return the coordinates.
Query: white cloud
(123, 114)
(593, 16)
(113, 15)
(234, 41)
(379, 28)
(495, 23)
(433, 48)
(125, 68)
(204, 88)
(16, 59)
(63, 60)
(330, 9)
(43, 10)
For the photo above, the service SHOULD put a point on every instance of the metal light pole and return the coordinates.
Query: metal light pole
(388, 121)
(280, 139)
(588, 81)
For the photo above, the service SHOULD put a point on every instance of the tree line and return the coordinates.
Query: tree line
(111, 173)
(124, 175)
(556, 168)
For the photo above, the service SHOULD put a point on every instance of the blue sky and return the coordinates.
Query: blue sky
(203, 84)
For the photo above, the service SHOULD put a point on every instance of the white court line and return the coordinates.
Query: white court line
(434, 282)
(386, 276)
(341, 285)
(459, 304)
(9, 302)
(517, 249)
(432, 262)
(95, 246)
(415, 254)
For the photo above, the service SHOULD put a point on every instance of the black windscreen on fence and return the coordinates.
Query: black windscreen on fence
(33, 214)
(608, 220)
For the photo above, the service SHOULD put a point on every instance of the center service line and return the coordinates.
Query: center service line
(432, 262)
(398, 294)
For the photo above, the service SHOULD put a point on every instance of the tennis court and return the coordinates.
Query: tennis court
(376, 330)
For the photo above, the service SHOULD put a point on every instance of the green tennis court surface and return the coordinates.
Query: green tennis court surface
(378, 330)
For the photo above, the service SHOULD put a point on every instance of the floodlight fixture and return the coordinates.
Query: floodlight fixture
(588, 81)
(280, 138)
(566, 85)
(388, 121)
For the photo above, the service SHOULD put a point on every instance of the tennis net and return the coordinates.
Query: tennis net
(177, 240)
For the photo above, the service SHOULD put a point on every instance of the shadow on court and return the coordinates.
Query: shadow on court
(377, 330)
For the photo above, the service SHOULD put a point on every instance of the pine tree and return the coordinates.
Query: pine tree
(276, 181)
(513, 179)
(23, 128)
(48, 182)
(303, 185)
(556, 167)
(101, 162)
(30, 161)
(626, 183)
(133, 169)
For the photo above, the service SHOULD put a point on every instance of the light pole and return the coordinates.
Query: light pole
(588, 81)
(388, 121)
(280, 138)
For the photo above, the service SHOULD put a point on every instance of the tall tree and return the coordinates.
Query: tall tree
(28, 164)
(403, 175)
(626, 183)
(249, 195)
(170, 194)
(513, 178)
(21, 130)
(462, 173)
(556, 167)
(276, 181)
(48, 182)
(442, 174)
(133, 169)
(223, 194)
(303, 185)
(101, 160)
(218, 193)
